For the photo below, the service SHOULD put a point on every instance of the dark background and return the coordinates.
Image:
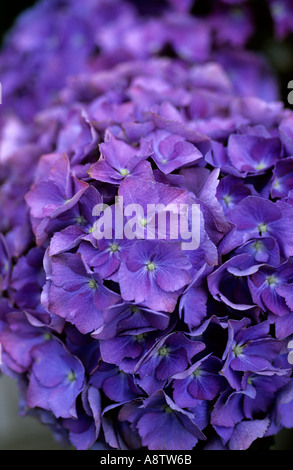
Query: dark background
(8, 14)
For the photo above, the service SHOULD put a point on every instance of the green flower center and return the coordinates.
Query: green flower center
(168, 409)
(140, 338)
(143, 222)
(150, 266)
(260, 166)
(262, 228)
(237, 350)
(92, 284)
(196, 373)
(71, 377)
(164, 351)
(114, 247)
(258, 246)
(135, 310)
(80, 220)
(227, 199)
(271, 280)
(124, 172)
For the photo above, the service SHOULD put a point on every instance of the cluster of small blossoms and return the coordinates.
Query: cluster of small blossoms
(57, 39)
(116, 341)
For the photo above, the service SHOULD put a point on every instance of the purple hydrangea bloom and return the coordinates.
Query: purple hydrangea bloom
(257, 217)
(171, 151)
(84, 430)
(156, 416)
(282, 12)
(282, 181)
(18, 336)
(252, 153)
(271, 287)
(133, 339)
(199, 382)
(73, 288)
(56, 380)
(116, 384)
(127, 348)
(119, 160)
(147, 274)
(28, 279)
(82, 219)
(170, 355)
(249, 349)
(56, 185)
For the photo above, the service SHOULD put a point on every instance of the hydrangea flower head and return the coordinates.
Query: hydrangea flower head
(141, 133)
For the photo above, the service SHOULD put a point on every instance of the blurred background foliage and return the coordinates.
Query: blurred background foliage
(279, 53)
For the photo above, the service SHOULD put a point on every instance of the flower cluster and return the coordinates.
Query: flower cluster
(58, 39)
(115, 341)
